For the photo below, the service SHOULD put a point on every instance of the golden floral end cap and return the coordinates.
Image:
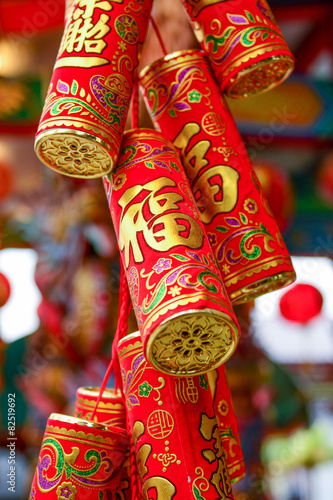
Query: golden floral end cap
(74, 154)
(192, 343)
(260, 77)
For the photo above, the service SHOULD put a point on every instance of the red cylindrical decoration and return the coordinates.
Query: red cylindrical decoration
(88, 99)
(78, 459)
(186, 104)
(227, 423)
(110, 411)
(179, 453)
(184, 314)
(243, 42)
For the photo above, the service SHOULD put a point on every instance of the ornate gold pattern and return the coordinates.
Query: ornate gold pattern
(149, 72)
(213, 124)
(53, 428)
(265, 264)
(247, 56)
(173, 101)
(73, 154)
(186, 299)
(200, 482)
(59, 417)
(263, 286)
(66, 491)
(102, 405)
(186, 391)
(144, 134)
(134, 348)
(79, 436)
(192, 343)
(158, 389)
(94, 391)
(167, 458)
(160, 424)
(79, 123)
(260, 77)
(223, 407)
(237, 467)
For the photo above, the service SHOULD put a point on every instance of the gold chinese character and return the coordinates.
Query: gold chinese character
(213, 124)
(82, 34)
(91, 5)
(85, 32)
(194, 158)
(216, 191)
(160, 230)
(220, 478)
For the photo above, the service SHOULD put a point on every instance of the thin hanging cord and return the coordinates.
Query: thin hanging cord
(135, 107)
(158, 34)
(124, 309)
(102, 389)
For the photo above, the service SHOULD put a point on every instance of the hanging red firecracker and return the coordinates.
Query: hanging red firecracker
(186, 104)
(4, 290)
(184, 314)
(176, 439)
(244, 44)
(78, 459)
(87, 102)
(279, 192)
(301, 303)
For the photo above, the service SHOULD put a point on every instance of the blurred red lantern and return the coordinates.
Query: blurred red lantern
(6, 180)
(279, 191)
(325, 180)
(4, 289)
(301, 303)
